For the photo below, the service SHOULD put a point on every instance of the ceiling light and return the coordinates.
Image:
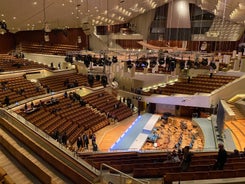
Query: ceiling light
(35, 3)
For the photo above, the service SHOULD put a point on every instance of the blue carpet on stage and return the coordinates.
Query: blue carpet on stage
(129, 136)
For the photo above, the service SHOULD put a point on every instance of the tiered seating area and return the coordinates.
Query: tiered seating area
(234, 168)
(104, 102)
(54, 49)
(237, 111)
(237, 128)
(152, 165)
(66, 116)
(221, 30)
(11, 63)
(56, 82)
(198, 84)
(18, 88)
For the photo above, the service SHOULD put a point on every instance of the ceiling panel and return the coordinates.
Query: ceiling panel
(60, 14)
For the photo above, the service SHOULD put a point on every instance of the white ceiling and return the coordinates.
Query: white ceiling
(59, 14)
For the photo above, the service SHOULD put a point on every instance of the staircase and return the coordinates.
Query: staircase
(238, 114)
(13, 167)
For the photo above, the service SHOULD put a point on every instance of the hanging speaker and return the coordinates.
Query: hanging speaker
(79, 39)
(46, 37)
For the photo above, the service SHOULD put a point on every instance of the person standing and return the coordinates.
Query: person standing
(85, 139)
(221, 158)
(93, 139)
(186, 160)
(64, 139)
(79, 143)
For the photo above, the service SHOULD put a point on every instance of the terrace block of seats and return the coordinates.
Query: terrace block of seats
(68, 117)
(107, 103)
(54, 49)
(12, 63)
(18, 88)
(198, 84)
(65, 81)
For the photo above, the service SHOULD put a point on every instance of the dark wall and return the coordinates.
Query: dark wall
(212, 46)
(67, 36)
(178, 34)
(7, 42)
(104, 30)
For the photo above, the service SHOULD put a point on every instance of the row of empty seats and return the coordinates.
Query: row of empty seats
(11, 63)
(151, 165)
(18, 88)
(46, 48)
(237, 128)
(198, 84)
(105, 102)
(68, 117)
(65, 81)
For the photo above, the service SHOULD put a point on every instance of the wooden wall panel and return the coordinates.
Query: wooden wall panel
(68, 37)
(7, 42)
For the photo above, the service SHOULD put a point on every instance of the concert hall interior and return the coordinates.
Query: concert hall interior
(122, 91)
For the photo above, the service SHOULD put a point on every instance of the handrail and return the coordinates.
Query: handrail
(213, 127)
(122, 175)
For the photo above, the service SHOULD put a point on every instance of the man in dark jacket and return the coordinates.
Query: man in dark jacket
(221, 158)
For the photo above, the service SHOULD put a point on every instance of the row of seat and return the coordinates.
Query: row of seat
(198, 84)
(57, 82)
(107, 103)
(11, 63)
(55, 49)
(66, 116)
(18, 88)
(237, 128)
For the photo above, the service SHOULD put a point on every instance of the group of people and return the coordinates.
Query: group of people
(184, 157)
(60, 137)
(83, 142)
(69, 84)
